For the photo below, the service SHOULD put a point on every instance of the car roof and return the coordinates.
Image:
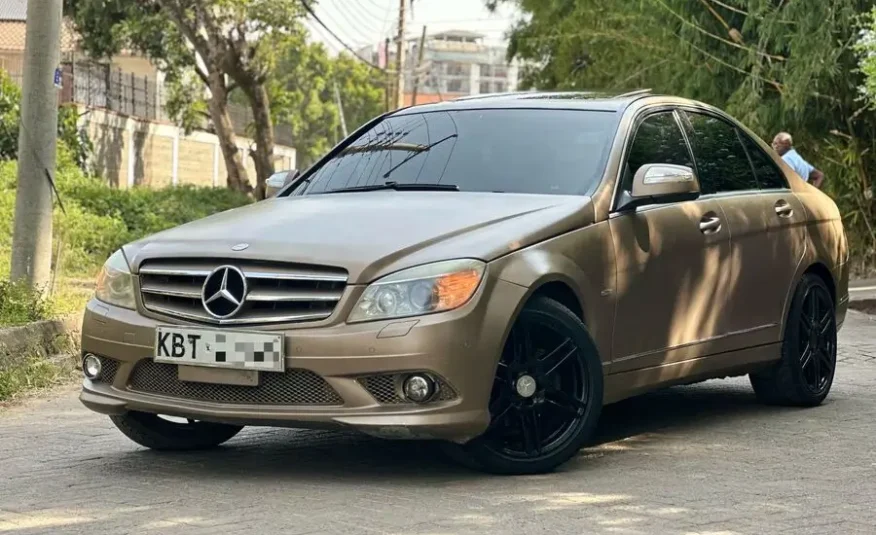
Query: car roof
(582, 100)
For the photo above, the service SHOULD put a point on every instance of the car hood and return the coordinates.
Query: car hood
(371, 233)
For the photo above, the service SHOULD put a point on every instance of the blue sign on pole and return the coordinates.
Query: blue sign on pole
(58, 77)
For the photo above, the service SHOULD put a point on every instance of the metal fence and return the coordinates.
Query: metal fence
(98, 85)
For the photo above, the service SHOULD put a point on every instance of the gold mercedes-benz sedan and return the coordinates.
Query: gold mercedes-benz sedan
(487, 272)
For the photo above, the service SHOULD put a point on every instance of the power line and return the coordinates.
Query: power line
(361, 34)
(319, 21)
(360, 9)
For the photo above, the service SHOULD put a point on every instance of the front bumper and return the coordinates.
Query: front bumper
(460, 348)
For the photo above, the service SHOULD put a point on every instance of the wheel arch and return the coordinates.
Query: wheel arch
(553, 275)
(817, 268)
(822, 271)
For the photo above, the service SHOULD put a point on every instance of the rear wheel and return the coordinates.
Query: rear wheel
(804, 375)
(546, 396)
(161, 433)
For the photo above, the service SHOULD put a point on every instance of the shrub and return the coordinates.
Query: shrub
(10, 111)
(70, 136)
(20, 304)
(99, 218)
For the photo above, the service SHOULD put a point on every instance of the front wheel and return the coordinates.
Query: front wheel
(160, 433)
(546, 397)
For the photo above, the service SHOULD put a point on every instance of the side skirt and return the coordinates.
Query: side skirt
(624, 385)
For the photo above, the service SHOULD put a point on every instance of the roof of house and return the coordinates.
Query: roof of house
(13, 10)
(458, 33)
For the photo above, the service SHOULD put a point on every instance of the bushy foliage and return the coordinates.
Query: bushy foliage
(20, 304)
(99, 218)
(70, 136)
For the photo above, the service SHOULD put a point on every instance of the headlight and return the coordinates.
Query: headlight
(421, 290)
(115, 284)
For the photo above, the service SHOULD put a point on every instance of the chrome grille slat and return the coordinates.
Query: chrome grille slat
(277, 293)
(301, 295)
(172, 290)
(258, 272)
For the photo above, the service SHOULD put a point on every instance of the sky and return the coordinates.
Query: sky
(367, 22)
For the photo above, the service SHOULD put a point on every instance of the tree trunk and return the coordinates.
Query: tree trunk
(237, 176)
(264, 133)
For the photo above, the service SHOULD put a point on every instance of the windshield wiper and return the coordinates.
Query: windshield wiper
(413, 186)
(424, 148)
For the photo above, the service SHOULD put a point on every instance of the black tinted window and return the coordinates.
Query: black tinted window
(768, 175)
(722, 164)
(658, 139)
(504, 150)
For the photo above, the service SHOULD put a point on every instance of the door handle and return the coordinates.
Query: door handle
(783, 209)
(710, 224)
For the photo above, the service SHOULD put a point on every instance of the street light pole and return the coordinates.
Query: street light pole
(400, 57)
(37, 139)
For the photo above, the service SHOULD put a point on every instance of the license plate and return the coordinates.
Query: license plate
(242, 350)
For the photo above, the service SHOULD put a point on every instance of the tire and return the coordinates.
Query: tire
(566, 380)
(154, 432)
(804, 375)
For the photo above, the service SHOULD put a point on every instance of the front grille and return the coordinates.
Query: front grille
(293, 387)
(276, 293)
(108, 370)
(387, 389)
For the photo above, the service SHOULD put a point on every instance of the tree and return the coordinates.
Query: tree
(775, 65)
(302, 90)
(221, 41)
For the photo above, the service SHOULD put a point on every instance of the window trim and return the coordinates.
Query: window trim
(742, 138)
(640, 117)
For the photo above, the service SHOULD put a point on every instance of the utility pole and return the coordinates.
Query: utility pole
(387, 97)
(418, 67)
(340, 109)
(37, 138)
(400, 57)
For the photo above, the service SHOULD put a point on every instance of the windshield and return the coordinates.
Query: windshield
(559, 152)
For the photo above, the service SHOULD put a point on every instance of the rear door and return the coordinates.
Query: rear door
(669, 259)
(765, 221)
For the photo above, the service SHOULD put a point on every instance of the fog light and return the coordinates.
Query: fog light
(91, 366)
(418, 388)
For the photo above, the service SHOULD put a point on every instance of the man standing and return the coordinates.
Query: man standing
(784, 145)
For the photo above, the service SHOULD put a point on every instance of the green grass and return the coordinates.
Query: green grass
(35, 373)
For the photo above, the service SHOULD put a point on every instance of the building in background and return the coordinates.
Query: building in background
(13, 25)
(455, 63)
(121, 108)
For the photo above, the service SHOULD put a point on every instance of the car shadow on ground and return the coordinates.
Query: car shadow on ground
(279, 454)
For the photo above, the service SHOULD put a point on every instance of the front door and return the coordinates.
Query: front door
(671, 262)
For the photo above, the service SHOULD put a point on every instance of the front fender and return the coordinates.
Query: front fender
(582, 261)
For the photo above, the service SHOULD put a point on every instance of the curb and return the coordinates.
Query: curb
(48, 337)
(868, 306)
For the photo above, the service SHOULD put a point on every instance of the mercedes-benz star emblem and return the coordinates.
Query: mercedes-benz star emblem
(239, 247)
(224, 292)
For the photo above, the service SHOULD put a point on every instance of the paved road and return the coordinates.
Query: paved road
(703, 459)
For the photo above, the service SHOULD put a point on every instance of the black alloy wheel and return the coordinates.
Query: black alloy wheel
(804, 375)
(546, 395)
(817, 339)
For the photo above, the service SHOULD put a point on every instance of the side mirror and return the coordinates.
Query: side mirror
(277, 181)
(654, 183)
